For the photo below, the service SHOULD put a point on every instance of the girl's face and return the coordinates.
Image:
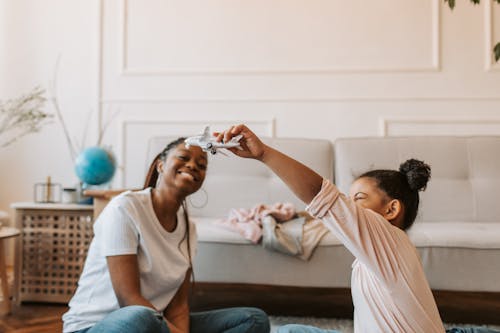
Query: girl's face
(365, 192)
(183, 169)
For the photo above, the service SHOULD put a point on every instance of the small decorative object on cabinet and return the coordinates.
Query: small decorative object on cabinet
(54, 244)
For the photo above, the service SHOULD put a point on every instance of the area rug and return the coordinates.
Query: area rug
(342, 325)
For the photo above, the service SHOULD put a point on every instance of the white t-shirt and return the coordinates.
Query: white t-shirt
(128, 225)
(389, 289)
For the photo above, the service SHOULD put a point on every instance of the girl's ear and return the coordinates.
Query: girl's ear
(392, 210)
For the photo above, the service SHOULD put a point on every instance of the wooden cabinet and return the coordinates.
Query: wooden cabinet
(52, 251)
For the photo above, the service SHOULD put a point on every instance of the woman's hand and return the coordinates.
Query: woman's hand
(251, 145)
(177, 311)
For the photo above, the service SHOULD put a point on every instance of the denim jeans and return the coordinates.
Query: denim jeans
(293, 328)
(470, 330)
(140, 319)
(297, 328)
(232, 320)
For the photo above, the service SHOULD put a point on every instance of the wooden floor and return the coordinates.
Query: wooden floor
(456, 307)
(33, 318)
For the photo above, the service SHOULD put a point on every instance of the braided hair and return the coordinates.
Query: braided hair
(151, 181)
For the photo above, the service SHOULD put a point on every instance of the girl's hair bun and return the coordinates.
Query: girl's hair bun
(417, 173)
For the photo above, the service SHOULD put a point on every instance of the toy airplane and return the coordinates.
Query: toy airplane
(208, 143)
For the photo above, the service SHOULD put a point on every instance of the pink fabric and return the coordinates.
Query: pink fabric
(248, 222)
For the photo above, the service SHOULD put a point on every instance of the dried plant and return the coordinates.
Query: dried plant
(22, 116)
(75, 146)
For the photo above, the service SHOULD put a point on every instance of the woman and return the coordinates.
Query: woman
(389, 289)
(137, 273)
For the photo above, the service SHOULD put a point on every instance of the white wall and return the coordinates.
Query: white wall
(308, 68)
(32, 36)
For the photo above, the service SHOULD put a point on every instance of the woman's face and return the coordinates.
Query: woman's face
(365, 192)
(183, 169)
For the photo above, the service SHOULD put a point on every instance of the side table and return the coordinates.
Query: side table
(54, 244)
(5, 233)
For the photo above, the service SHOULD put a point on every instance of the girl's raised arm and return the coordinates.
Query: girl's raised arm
(303, 181)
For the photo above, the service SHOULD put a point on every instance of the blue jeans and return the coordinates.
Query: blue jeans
(293, 328)
(140, 319)
(296, 328)
(470, 330)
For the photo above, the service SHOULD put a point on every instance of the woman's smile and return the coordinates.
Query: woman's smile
(188, 175)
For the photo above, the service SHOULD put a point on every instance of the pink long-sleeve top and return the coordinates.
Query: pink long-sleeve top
(389, 289)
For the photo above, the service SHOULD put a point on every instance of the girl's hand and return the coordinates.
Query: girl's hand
(251, 145)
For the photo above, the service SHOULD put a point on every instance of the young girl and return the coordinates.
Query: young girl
(389, 289)
(137, 272)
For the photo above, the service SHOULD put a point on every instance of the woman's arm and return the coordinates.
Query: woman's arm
(124, 273)
(177, 311)
(304, 182)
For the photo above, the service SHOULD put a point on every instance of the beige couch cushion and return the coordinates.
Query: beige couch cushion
(465, 172)
(468, 235)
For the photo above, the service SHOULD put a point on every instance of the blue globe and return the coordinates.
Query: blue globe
(95, 166)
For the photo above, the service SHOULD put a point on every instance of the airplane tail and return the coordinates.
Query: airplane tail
(206, 133)
(236, 138)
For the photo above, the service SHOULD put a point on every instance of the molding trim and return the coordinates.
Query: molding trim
(385, 123)
(126, 71)
(123, 59)
(301, 100)
(489, 61)
(99, 64)
(123, 130)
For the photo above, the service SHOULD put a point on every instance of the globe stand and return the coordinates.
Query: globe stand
(88, 200)
(82, 198)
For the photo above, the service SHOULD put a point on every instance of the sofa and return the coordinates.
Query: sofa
(457, 231)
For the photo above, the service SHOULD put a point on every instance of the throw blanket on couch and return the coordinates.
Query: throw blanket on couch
(279, 228)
